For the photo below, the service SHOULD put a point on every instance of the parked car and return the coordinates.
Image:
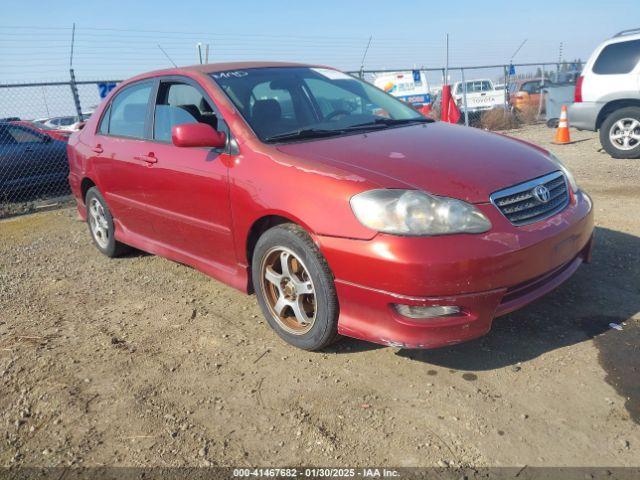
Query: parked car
(70, 123)
(281, 179)
(525, 94)
(481, 95)
(62, 135)
(30, 159)
(410, 87)
(607, 95)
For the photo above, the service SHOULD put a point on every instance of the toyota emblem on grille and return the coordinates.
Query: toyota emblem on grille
(542, 193)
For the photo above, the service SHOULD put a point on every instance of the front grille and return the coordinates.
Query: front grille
(522, 206)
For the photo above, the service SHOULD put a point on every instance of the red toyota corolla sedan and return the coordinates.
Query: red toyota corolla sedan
(344, 210)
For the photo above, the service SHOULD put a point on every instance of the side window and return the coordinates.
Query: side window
(129, 111)
(22, 135)
(103, 129)
(530, 87)
(331, 98)
(179, 103)
(5, 137)
(618, 58)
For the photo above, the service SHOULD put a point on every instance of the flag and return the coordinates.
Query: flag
(448, 109)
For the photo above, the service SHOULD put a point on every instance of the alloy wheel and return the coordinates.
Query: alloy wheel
(625, 134)
(98, 223)
(288, 290)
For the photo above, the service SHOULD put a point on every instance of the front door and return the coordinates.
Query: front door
(188, 192)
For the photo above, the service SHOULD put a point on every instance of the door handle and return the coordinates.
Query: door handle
(98, 149)
(151, 158)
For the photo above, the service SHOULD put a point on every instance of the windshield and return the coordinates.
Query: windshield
(289, 102)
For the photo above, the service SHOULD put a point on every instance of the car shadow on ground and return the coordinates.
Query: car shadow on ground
(602, 293)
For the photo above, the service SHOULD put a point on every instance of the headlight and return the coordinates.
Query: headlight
(570, 178)
(412, 212)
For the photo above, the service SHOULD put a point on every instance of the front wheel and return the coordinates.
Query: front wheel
(620, 133)
(295, 287)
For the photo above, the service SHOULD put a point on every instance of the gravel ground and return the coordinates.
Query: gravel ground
(139, 361)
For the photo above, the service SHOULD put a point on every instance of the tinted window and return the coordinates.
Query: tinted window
(618, 58)
(333, 99)
(129, 111)
(180, 103)
(104, 123)
(530, 87)
(23, 135)
(284, 100)
(264, 92)
(5, 138)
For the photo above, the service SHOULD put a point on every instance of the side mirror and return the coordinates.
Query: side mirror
(197, 135)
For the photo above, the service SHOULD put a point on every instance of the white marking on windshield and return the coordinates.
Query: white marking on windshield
(233, 74)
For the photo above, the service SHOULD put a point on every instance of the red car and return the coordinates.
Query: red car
(343, 209)
(61, 135)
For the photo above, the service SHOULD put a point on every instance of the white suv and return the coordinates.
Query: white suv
(607, 96)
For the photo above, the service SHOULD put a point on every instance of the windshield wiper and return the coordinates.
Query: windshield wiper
(384, 121)
(304, 133)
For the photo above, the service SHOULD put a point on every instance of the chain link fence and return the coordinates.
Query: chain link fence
(493, 97)
(36, 119)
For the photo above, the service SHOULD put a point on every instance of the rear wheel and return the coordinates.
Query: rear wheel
(620, 133)
(101, 225)
(295, 287)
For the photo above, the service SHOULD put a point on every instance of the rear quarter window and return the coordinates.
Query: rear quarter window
(618, 58)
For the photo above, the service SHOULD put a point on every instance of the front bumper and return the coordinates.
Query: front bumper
(487, 275)
(583, 115)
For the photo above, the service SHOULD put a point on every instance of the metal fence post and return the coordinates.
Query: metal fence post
(76, 96)
(506, 88)
(464, 98)
(541, 91)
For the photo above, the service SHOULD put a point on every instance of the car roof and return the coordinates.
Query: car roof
(622, 37)
(209, 68)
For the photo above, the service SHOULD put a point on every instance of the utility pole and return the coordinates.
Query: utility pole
(200, 52)
(559, 62)
(206, 53)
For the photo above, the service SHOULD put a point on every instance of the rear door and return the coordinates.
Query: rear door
(188, 192)
(118, 162)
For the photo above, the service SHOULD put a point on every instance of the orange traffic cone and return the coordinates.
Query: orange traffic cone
(562, 132)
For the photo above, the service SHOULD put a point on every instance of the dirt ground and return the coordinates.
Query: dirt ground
(139, 361)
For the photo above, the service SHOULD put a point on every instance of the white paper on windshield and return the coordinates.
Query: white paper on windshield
(332, 74)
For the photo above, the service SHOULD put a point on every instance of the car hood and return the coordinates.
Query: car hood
(439, 158)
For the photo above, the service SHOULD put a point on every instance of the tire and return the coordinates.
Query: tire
(307, 271)
(104, 241)
(627, 117)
